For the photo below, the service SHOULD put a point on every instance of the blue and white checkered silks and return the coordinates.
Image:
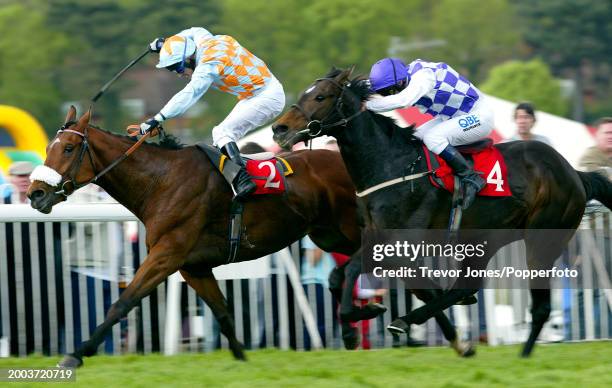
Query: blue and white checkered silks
(453, 94)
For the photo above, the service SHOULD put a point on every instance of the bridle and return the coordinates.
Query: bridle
(315, 127)
(74, 169)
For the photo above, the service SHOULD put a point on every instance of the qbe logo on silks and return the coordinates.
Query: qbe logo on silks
(469, 122)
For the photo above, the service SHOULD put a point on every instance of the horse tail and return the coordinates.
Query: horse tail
(597, 186)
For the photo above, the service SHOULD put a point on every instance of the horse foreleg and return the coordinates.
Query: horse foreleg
(207, 288)
(157, 267)
(336, 280)
(462, 348)
(431, 308)
(349, 334)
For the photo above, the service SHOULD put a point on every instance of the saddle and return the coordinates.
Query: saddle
(267, 171)
(484, 158)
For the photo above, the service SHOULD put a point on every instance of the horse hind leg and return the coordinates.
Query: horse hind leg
(542, 251)
(207, 288)
(540, 311)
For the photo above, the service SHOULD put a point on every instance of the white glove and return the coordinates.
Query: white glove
(156, 45)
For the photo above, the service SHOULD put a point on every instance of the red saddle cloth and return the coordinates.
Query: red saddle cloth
(488, 161)
(268, 176)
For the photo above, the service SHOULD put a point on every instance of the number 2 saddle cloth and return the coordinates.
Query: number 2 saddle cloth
(266, 170)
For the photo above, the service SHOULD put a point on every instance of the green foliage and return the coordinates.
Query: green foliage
(567, 32)
(111, 33)
(31, 56)
(300, 40)
(526, 81)
(478, 34)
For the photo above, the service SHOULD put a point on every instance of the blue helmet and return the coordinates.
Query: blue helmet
(388, 72)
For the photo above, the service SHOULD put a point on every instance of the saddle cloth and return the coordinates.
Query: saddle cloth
(266, 170)
(487, 160)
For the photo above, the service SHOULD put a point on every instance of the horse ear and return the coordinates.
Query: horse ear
(71, 115)
(84, 120)
(350, 71)
(345, 75)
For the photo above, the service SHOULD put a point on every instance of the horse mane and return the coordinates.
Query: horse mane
(360, 86)
(167, 141)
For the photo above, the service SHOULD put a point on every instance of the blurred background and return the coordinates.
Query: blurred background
(554, 54)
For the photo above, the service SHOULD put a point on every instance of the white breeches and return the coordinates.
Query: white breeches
(469, 128)
(250, 113)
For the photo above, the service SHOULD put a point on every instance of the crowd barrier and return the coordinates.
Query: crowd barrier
(59, 274)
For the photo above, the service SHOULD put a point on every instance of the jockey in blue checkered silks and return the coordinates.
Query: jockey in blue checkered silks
(461, 114)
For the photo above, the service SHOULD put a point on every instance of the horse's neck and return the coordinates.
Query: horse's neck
(370, 155)
(130, 181)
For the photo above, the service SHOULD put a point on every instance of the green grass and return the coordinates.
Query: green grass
(554, 365)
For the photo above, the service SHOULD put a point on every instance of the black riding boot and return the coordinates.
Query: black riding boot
(471, 181)
(242, 183)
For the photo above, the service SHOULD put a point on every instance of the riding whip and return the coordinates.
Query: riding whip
(109, 83)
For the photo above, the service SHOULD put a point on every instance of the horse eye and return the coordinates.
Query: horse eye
(68, 149)
(320, 98)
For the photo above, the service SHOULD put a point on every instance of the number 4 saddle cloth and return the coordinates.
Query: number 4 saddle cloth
(487, 160)
(266, 170)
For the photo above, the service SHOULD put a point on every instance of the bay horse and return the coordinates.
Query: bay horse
(184, 203)
(547, 193)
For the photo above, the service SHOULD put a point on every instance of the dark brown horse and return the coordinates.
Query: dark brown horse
(184, 203)
(547, 192)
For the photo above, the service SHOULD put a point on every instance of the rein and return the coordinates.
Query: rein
(315, 127)
(86, 148)
(320, 126)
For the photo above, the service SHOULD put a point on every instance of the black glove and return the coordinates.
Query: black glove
(156, 45)
(148, 126)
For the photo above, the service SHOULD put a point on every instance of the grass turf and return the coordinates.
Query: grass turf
(553, 365)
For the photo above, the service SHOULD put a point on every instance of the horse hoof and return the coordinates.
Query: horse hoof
(70, 361)
(469, 352)
(350, 339)
(468, 300)
(369, 311)
(372, 310)
(398, 327)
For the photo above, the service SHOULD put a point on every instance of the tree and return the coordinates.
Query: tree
(301, 40)
(569, 34)
(112, 32)
(478, 34)
(31, 56)
(527, 81)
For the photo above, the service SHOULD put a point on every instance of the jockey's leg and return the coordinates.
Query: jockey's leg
(243, 185)
(248, 114)
(471, 181)
(441, 135)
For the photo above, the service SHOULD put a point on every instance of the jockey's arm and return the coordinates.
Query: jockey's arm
(201, 80)
(420, 84)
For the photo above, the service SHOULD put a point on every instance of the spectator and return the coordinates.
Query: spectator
(315, 268)
(19, 177)
(524, 117)
(600, 155)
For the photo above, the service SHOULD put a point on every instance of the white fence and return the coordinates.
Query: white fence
(59, 273)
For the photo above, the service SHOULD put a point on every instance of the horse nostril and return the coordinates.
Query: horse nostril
(279, 128)
(37, 194)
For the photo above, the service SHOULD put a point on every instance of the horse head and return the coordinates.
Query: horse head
(324, 108)
(65, 164)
